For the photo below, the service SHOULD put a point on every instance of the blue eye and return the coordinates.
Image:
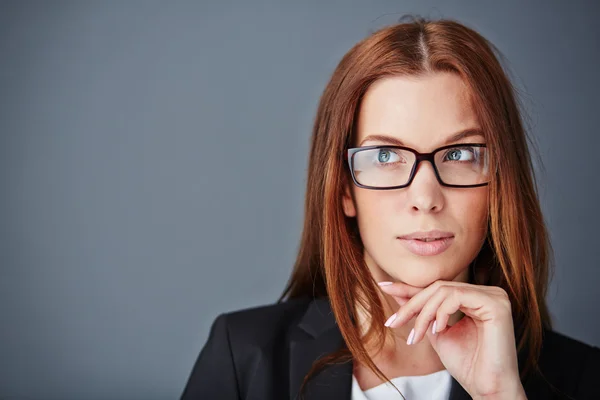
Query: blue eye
(385, 156)
(468, 154)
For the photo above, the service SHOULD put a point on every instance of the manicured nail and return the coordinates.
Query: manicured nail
(411, 336)
(390, 320)
(384, 283)
(434, 325)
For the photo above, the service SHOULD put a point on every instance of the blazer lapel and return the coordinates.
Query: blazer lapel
(318, 335)
(457, 392)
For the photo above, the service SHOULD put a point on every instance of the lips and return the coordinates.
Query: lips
(427, 248)
(427, 236)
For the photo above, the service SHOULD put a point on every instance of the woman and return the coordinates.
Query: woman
(424, 257)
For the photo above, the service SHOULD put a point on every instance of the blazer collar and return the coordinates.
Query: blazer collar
(318, 334)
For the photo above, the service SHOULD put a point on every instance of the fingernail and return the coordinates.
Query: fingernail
(434, 325)
(411, 336)
(390, 320)
(384, 283)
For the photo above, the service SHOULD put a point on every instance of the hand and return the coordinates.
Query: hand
(479, 351)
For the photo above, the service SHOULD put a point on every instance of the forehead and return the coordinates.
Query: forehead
(421, 111)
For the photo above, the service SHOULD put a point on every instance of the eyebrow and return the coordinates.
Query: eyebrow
(397, 142)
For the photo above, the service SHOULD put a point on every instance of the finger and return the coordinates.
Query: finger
(401, 300)
(399, 289)
(443, 316)
(415, 304)
(479, 305)
(429, 312)
(432, 336)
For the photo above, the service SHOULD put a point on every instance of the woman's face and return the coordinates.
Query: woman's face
(422, 112)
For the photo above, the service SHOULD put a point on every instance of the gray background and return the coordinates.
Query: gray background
(153, 159)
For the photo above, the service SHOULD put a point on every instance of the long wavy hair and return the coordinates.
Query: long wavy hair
(517, 251)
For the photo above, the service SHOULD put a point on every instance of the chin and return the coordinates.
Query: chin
(421, 282)
(424, 274)
(418, 278)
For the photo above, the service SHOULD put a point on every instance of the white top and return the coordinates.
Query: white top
(434, 386)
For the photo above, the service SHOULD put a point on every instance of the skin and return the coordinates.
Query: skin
(479, 350)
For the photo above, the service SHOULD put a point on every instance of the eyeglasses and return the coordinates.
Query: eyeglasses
(392, 167)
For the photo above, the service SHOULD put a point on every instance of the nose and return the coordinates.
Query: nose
(425, 192)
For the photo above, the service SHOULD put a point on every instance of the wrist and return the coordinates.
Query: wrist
(516, 394)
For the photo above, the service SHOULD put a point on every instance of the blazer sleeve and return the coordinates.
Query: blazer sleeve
(588, 384)
(213, 375)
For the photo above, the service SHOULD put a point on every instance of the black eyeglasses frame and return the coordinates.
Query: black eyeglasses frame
(419, 157)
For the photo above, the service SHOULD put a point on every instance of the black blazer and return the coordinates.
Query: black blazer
(263, 353)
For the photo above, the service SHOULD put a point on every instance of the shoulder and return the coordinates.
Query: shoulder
(559, 350)
(244, 346)
(571, 365)
(270, 311)
(563, 346)
(261, 325)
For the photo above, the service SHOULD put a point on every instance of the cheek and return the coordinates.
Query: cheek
(374, 206)
(377, 216)
(471, 210)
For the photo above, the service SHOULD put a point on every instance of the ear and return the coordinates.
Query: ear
(348, 202)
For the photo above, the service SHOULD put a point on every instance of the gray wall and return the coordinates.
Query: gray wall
(153, 159)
